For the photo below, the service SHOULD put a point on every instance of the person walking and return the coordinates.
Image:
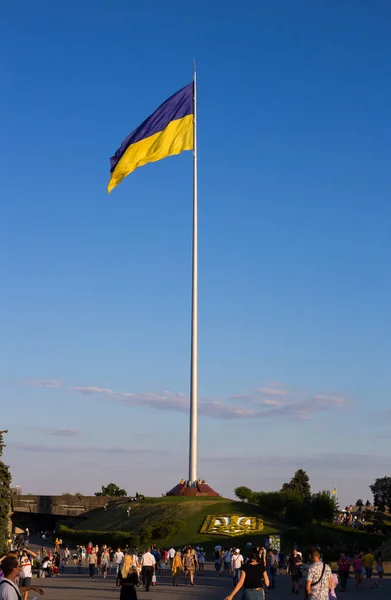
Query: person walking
(294, 564)
(343, 571)
(128, 579)
(26, 568)
(118, 557)
(227, 561)
(368, 560)
(171, 555)
(357, 568)
(253, 577)
(105, 563)
(176, 568)
(334, 584)
(379, 568)
(189, 566)
(92, 562)
(271, 566)
(201, 561)
(237, 562)
(148, 565)
(319, 578)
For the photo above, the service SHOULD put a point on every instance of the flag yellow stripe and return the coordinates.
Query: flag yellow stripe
(174, 139)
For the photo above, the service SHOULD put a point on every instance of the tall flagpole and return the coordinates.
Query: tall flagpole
(193, 454)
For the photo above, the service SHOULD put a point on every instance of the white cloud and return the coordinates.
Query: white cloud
(91, 390)
(270, 391)
(43, 383)
(259, 403)
(60, 431)
(80, 449)
(270, 402)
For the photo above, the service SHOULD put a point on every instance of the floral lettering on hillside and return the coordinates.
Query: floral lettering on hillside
(231, 525)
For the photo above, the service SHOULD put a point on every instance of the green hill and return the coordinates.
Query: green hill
(113, 526)
(192, 512)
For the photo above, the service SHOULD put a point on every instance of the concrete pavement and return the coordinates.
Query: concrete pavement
(73, 586)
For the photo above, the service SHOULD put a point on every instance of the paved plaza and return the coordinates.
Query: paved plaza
(74, 586)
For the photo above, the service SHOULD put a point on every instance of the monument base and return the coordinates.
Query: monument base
(199, 488)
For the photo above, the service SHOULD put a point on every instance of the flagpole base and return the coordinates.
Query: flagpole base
(195, 488)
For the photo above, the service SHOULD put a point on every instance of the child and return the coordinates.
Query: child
(379, 569)
(357, 568)
(63, 565)
(334, 583)
(79, 564)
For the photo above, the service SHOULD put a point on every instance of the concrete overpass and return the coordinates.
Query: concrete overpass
(43, 512)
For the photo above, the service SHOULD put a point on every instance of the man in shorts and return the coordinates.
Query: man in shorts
(368, 560)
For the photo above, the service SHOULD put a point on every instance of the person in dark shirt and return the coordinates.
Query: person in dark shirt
(253, 578)
(128, 579)
(295, 565)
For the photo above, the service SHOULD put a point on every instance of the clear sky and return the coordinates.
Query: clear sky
(295, 288)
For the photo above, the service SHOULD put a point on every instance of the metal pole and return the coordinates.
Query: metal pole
(193, 454)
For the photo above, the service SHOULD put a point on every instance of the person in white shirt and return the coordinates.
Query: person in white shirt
(171, 554)
(8, 588)
(236, 565)
(118, 557)
(201, 560)
(148, 565)
(26, 568)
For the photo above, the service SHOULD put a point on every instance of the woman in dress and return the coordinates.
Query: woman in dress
(176, 568)
(189, 566)
(253, 578)
(128, 579)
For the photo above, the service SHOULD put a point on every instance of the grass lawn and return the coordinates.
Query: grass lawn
(193, 511)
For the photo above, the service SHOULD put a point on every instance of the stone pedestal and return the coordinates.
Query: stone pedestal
(200, 488)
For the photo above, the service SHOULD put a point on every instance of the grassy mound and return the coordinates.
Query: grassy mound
(113, 526)
(190, 511)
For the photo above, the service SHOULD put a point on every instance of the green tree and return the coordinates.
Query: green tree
(299, 483)
(112, 490)
(381, 491)
(5, 498)
(244, 493)
(298, 512)
(324, 506)
(359, 503)
(272, 503)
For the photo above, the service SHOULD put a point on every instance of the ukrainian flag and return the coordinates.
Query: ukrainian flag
(168, 131)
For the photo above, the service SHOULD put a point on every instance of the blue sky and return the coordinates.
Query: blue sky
(294, 200)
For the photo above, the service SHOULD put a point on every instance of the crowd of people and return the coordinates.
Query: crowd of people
(254, 570)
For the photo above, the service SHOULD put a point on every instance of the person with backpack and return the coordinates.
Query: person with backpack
(8, 588)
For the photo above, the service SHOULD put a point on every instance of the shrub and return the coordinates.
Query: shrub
(83, 536)
(165, 529)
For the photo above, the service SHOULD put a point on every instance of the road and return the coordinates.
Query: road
(73, 586)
